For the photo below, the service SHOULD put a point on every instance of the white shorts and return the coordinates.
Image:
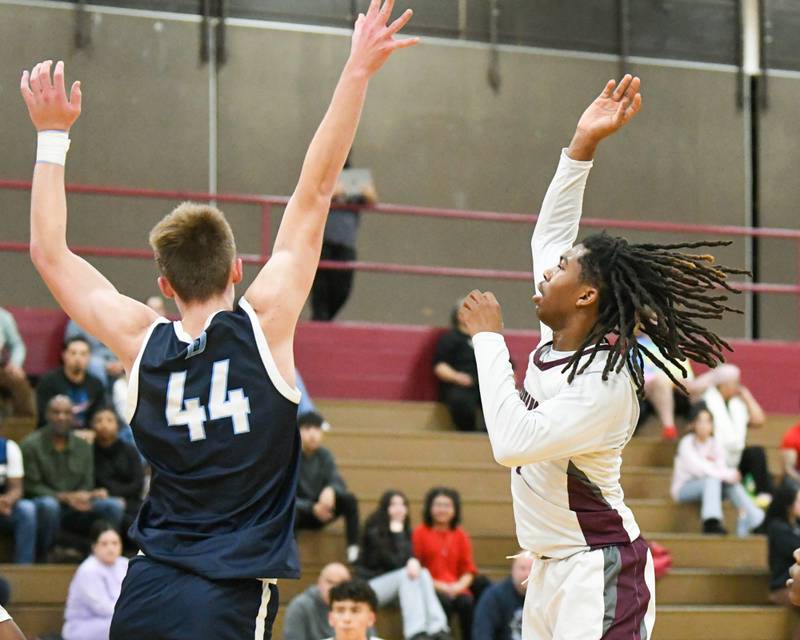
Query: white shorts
(605, 594)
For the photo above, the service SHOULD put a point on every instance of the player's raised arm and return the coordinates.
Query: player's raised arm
(280, 290)
(81, 290)
(557, 227)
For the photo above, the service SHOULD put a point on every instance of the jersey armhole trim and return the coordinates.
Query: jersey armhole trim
(133, 380)
(284, 388)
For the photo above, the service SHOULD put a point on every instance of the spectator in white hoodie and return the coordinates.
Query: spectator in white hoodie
(735, 410)
(701, 474)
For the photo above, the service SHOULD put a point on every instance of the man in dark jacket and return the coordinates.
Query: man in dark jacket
(498, 615)
(322, 495)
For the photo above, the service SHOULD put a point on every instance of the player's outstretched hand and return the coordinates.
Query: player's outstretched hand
(374, 38)
(612, 109)
(48, 105)
(481, 312)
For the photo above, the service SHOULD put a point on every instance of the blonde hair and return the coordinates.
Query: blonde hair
(194, 249)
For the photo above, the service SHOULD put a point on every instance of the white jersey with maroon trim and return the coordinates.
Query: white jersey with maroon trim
(563, 441)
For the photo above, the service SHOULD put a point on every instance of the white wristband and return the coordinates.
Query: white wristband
(52, 147)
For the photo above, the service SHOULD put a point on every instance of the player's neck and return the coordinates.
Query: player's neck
(195, 314)
(571, 335)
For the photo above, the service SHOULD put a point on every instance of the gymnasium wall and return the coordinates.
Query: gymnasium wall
(433, 132)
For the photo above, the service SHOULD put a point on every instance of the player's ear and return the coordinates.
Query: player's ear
(165, 287)
(588, 296)
(237, 271)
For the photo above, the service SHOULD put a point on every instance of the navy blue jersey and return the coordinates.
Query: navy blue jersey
(218, 425)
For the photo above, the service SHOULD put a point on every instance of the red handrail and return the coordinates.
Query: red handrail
(267, 202)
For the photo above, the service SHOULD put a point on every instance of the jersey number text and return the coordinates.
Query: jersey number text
(222, 403)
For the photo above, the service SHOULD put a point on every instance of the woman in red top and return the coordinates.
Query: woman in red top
(445, 550)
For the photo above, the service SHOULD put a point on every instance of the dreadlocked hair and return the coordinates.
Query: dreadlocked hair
(660, 290)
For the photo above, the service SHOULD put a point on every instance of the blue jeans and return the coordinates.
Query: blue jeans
(22, 522)
(52, 515)
(711, 491)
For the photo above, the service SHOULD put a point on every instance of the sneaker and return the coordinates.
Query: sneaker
(714, 526)
(670, 432)
(352, 553)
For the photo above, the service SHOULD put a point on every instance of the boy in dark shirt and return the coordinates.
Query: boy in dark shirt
(117, 466)
(322, 495)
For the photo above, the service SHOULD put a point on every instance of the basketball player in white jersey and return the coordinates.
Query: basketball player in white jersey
(563, 434)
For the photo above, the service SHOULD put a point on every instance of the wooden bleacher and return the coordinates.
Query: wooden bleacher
(716, 590)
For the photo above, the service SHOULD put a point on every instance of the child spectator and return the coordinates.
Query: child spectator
(445, 550)
(386, 560)
(322, 495)
(95, 587)
(701, 474)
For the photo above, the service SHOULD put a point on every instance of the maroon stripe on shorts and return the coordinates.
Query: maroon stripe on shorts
(600, 523)
(633, 596)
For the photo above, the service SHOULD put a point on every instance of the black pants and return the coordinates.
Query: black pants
(754, 462)
(463, 606)
(331, 287)
(346, 505)
(463, 403)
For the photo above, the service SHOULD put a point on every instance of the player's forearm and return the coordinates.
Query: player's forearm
(334, 137)
(557, 226)
(48, 216)
(506, 416)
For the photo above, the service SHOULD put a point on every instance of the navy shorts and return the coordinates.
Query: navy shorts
(161, 602)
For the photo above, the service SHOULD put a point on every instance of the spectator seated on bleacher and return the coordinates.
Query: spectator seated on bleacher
(353, 608)
(85, 392)
(661, 396)
(734, 410)
(322, 495)
(17, 515)
(59, 478)
(103, 364)
(498, 615)
(307, 614)
(95, 587)
(783, 536)
(790, 452)
(701, 474)
(455, 366)
(445, 550)
(13, 381)
(394, 574)
(117, 465)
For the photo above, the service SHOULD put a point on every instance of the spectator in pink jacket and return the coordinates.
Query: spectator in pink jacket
(701, 474)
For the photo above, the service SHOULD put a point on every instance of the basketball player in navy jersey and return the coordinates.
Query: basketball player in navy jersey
(212, 398)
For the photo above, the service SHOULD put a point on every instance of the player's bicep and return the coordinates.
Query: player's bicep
(94, 303)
